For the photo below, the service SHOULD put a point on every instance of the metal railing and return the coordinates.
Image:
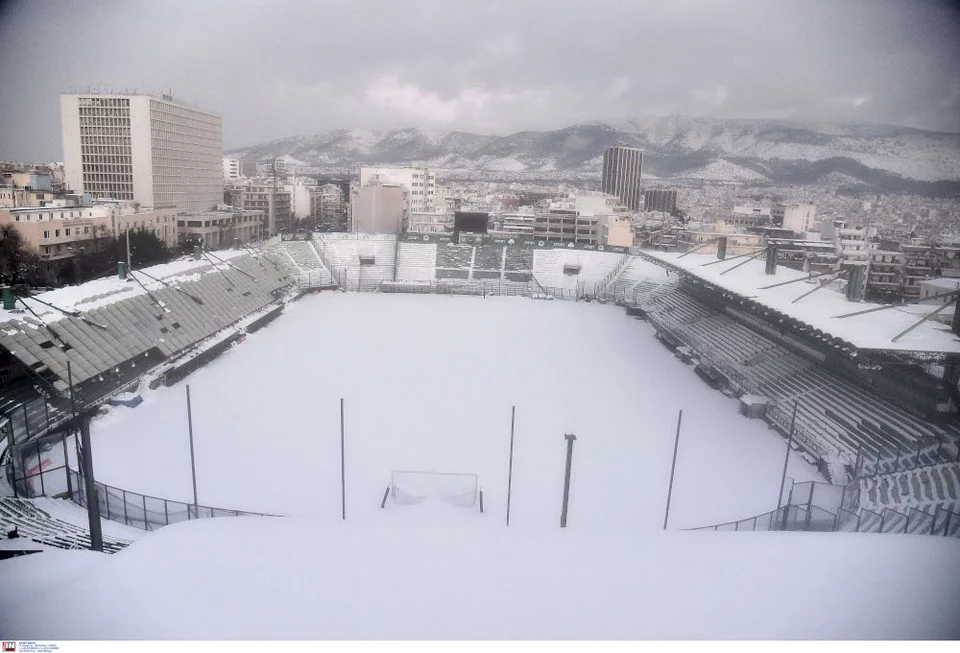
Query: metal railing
(144, 511)
(815, 506)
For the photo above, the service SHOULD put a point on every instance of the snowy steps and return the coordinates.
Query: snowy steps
(922, 487)
(39, 526)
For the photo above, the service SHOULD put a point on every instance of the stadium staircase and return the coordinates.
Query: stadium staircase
(36, 524)
(926, 487)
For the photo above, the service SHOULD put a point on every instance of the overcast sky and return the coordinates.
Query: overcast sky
(294, 67)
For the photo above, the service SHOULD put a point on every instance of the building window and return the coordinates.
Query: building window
(46, 234)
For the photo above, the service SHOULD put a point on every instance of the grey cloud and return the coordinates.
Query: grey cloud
(293, 67)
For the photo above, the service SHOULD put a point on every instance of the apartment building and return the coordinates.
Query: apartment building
(419, 181)
(221, 227)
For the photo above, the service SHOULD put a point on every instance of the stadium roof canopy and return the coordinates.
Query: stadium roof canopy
(820, 311)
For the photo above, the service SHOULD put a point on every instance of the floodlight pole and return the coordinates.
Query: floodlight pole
(570, 438)
(786, 459)
(513, 415)
(193, 465)
(343, 482)
(673, 468)
(93, 502)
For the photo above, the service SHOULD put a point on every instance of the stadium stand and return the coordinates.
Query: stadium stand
(358, 261)
(36, 524)
(517, 264)
(584, 271)
(416, 261)
(927, 488)
(116, 342)
(454, 261)
(836, 416)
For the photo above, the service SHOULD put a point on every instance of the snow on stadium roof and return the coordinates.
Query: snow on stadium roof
(107, 290)
(821, 310)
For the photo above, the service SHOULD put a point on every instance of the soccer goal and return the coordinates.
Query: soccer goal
(408, 488)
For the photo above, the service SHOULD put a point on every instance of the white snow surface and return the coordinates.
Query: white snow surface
(821, 309)
(460, 576)
(423, 392)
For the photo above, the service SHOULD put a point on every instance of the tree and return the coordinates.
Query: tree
(147, 249)
(17, 264)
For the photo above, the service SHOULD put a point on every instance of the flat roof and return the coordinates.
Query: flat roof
(821, 310)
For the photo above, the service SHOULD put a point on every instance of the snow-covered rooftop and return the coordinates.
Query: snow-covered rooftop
(821, 310)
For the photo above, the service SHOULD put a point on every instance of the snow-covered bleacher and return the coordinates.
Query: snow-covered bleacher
(416, 261)
(583, 271)
(517, 264)
(358, 261)
(303, 260)
(840, 415)
(34, 523)
(118, 329)
(454, 261)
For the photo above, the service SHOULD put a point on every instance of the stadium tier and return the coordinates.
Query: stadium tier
(112, 331)
(358, 261)
(34, 523)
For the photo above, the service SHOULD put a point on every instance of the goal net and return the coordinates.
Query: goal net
(416, 487)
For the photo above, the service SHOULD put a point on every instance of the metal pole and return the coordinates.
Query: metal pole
(513, 415)
(806, 524)
(673, 467)
(66, 464)
(786, 459)
(570, 438)
(786, 510)
(93, 504)
(193, 465)
(343, 482)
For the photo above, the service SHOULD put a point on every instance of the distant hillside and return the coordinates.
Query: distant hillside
(892, 159)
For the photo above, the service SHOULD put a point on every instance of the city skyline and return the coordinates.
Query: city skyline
(483, 69)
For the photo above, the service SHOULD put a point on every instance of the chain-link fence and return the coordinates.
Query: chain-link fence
(815, 506)
(145, 511)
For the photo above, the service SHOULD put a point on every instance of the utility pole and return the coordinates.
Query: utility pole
(127, 231)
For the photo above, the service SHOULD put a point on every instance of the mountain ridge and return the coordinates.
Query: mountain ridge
(880, 157)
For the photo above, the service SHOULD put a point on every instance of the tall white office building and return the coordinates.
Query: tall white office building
(622, 169)
(148, 148)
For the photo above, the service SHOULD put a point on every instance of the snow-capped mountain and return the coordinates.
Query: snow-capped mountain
(879, 156)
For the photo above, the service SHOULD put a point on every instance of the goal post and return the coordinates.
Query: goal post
(409, 487)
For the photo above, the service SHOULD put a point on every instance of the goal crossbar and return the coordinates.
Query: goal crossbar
(410, 487)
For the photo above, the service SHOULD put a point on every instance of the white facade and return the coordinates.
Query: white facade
(151, 149)
(232, 169)
(798, 218)
(420, 183)
(299, 200)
